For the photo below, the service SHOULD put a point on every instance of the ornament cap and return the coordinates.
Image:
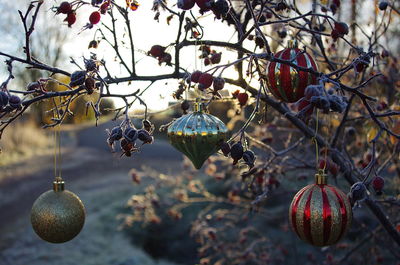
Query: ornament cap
(292, 44)
(320, 177)
(58, 184)
(198, 106)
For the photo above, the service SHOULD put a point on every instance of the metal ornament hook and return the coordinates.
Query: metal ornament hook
(320, 177)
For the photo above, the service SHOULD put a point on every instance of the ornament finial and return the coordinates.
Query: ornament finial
(320, 177)
(58, 184)
(198, 106)
(292, 44)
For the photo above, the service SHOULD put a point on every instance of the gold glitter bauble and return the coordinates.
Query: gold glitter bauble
(320, 214)
(58, 215)
(197, 135)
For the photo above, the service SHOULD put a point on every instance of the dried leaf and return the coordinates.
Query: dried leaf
(372, 133)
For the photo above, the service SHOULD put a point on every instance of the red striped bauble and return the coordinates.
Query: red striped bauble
(285, 82)
(320, 214)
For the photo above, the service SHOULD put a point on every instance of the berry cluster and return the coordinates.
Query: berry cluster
(209, 56)
(316, 97)
(271, 182)
(205, 80)
(220, 8)
(66, 8)
(86, 78)
(127, 134)
(242, 97)
(328, 165)
(237, 152)
(70, 9)
(358, 192)
(9, 102)
(158, 51)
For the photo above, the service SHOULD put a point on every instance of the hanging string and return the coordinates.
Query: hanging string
(55, 154)
(314, 140)
(59, 151)
(57, 144)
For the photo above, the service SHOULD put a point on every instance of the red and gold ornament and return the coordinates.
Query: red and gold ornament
(285, 82)
(320, 214)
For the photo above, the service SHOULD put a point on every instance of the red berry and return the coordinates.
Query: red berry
(71, 19)
(205, 81)
(104, 7)
(342, 28)
(378, 183)
(383, 5)
(145, 136)
(33, 86)
(249, 158)
(204, 5)
(335, 34)
(382, 106)
(207, 61)
(157, 51)
(185, 105)
(14, 101)
(311, 91)
(165, 58)
(225, 148)
(235, 94)
(218, 83)
(64, 8)
(324, 164)
(236, 152)
(384, 53)
(336, 2)
(334, 168)
(185, 4)
(260, 180)
(360, 67)
(333, 8)
(94, 18)
(280, 6)
(194, 77)
(242, 97)
(216, 58)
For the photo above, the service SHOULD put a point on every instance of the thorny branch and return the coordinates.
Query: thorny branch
(350, 173)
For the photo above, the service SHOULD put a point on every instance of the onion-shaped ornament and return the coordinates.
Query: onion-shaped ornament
(320, 214)
(284, 81)
(58, 215)
(197, 135)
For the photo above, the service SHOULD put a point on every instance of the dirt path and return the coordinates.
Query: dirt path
(102, 182)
